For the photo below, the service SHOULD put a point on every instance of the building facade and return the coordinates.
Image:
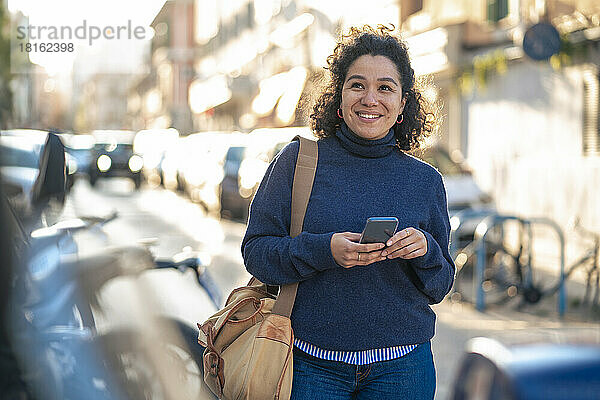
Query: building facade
(529, 129)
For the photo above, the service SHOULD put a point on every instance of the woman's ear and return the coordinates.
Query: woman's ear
(403, 103)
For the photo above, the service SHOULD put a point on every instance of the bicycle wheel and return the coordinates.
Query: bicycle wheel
(547, 282)
(501, 278)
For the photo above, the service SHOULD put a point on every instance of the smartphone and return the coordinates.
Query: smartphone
(379, 229)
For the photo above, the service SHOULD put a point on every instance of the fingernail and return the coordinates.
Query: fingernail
(389, 243)
(383, 254)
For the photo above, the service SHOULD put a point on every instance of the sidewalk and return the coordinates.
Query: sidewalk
(459, 322)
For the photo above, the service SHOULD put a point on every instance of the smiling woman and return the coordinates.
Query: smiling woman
(362, 319)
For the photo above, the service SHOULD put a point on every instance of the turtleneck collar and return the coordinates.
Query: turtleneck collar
(365, 147)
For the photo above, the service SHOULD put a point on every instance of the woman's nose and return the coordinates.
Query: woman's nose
(370, 98)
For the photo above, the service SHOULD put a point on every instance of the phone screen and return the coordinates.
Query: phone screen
(379, 229)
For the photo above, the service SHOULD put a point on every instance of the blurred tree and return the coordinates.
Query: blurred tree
(6, 103)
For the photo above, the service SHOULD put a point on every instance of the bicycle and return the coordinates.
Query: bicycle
(510, 273)
(503, 273)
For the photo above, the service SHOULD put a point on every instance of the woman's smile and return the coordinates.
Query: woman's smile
(368, 116)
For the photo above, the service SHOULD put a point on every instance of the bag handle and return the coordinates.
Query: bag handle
(304, 176)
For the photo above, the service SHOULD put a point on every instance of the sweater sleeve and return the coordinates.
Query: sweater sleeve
(269, 253)
(435, 270)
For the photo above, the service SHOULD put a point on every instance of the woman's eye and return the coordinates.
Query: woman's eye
(356, 85)
(385, 88)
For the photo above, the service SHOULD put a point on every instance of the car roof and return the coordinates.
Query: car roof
(80, 141)
(24, 139)
(31, 135)
(114, 136)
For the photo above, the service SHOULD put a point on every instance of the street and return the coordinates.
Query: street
(127, 129)
(176, 223)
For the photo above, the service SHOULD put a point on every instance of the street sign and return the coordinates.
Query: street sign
(541, 41)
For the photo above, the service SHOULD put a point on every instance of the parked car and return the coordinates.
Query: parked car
(58, 347)
(113, 156)
(462, 190)
(263, 145)
(22, 159)
(79, 149)
(464, 196)
(198, 158)
(174, 162)
(490, 370)
(204, 173)
(229, 189)
(152, 144)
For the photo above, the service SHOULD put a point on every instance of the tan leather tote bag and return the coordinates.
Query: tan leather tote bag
(249, 342)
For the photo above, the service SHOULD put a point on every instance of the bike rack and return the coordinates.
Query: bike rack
(458, 220)
(562, 289)
(490, 219)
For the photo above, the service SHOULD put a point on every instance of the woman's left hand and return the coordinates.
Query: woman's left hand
(407, 243)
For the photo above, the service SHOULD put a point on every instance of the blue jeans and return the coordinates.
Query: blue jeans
(408, 377)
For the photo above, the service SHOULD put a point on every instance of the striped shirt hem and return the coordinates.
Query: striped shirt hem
(356, 357)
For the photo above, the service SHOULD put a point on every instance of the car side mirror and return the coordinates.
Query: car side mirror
(50, 183)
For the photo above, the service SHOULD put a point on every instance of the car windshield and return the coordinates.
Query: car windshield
(114, 147)
(17, 157)
(442, 161)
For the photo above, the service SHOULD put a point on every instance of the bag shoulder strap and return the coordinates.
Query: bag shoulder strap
(304, 176)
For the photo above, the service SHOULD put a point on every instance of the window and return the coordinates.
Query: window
(496, 10)
(409, 7)
(591, 96)
(16, 157)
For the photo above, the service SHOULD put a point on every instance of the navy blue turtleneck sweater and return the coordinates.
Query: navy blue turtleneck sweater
(380, 305)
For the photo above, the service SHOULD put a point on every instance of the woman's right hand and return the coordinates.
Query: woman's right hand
(348, 252)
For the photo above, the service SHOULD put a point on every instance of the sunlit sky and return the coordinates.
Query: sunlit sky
(100, 13)
(123, 56)
(65, 11)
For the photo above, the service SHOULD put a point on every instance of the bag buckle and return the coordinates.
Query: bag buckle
(211, 363)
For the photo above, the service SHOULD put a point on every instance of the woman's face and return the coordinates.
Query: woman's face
(372, 96)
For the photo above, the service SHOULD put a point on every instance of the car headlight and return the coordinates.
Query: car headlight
(104, 162)
(71, 166)
(135, 163)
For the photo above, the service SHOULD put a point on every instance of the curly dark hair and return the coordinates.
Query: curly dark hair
(418, 123)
